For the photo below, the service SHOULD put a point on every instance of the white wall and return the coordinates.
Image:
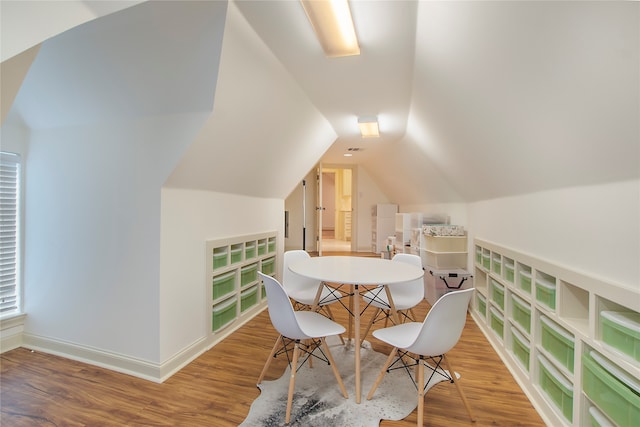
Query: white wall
(592, 229)
(92, 233)
(189, 219)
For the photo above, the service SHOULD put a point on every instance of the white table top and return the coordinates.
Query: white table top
(356, 270)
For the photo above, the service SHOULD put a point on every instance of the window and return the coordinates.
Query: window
(9, 232)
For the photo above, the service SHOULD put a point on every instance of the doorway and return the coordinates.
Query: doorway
(337, 209)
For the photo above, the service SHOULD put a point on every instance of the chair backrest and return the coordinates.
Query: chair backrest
(413, 289)
(291, 281)
(281, 311)
(443, 325)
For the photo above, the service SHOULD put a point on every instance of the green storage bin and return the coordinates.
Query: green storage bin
(269, 265)
(556, 387)
(621, 330)
(249, 250)
(248, 298)
(219, 257)
(262, 247)
(546, 292)
(521, 312)
(486, 260)
(520, 347)
(524, 280)
(481, 304)
(248, 274)
(478, 255)
(271, 246)
(497, 322)
(223, 314)
(509, 270)
(557, 342)
(236, 253)
(224, 284)
(598, 419)
(497, 293)
(496, 263)
(615, 392)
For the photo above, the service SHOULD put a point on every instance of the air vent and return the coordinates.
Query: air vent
(354, 149)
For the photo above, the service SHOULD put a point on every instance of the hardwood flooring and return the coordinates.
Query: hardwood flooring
(217, 388)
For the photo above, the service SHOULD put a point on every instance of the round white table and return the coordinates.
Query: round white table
(356, 271)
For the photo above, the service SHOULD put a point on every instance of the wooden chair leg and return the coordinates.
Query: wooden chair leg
(269, 359)
(332, 318)
(334, 368)
(369, 325)
(383, 371)
(452, 373)
(292, 381)
(420, 392)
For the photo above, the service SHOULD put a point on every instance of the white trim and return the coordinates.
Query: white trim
(156, 372)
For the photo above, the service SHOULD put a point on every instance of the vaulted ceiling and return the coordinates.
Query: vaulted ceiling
(476, 100)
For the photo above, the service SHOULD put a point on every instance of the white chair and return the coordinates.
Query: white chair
(304, 290)
(405, 295)
(429, 340)
(305, 329)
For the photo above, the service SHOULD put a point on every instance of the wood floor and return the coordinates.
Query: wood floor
(216, 389)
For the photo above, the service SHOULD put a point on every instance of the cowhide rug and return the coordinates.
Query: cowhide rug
(317, 400)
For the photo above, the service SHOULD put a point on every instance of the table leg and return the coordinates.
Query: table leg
(356, 316)
(392, 306)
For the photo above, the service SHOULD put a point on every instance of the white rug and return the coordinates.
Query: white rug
(317, 400)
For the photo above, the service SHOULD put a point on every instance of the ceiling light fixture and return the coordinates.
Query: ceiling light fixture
(331, 20)
(369, 127)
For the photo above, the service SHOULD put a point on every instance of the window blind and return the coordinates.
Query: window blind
(9, 225)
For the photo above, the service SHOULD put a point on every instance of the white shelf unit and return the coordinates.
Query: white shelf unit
(551, 323)
(235, 293)
(383, 218)
(441, 253)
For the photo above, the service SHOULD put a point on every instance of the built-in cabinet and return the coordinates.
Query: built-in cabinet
(571, 341)
(235, 293)
(383, 218)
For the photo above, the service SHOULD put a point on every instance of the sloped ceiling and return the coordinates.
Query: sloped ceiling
(476, 100)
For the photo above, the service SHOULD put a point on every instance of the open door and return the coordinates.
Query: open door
(334, 209)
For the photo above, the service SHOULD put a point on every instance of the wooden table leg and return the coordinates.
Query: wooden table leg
(392, 306)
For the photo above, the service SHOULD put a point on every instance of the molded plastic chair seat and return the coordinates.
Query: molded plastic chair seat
(429, 340)
(306, 329)
(405, 295)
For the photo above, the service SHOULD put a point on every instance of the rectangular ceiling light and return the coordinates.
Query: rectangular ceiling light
(331, 20)
(369, 127)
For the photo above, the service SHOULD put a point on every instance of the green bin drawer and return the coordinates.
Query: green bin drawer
(546, 292)
(271, 246)
(478, 255)
(615, 392)
(223, 314)
(497, 293)
(557, 342)
(521, 348)
(509, 270)
(621, 330)
(262, 247)
(481, 304)
(236, 253)
(598, 419)
(224, 284)
(486, 261)
(248, 274)
(557, 388)
(249, 250)
(248, 298)
(497, 322)
(525, 280)
(219, 257)
(521, 312)
(268, 265)
(496, 263)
